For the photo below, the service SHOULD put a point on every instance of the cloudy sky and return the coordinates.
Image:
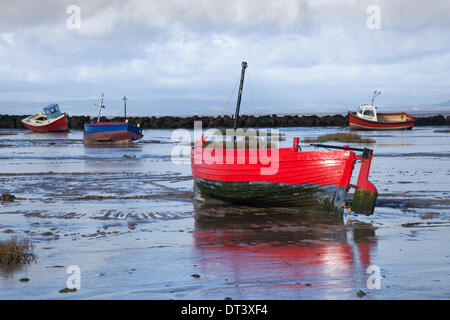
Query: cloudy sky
(184, 56)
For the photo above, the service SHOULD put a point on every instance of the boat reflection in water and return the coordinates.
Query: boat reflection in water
(113, 158)
(47, 135)
(278, 253)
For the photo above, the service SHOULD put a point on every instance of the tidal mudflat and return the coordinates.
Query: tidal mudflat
(126, 218)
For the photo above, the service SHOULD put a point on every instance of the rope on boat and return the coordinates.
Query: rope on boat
(251, 92)
(229, 98)
(346, 121)
(365, 151)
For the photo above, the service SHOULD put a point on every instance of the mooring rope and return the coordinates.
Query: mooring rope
(251, 92)
(229, 98)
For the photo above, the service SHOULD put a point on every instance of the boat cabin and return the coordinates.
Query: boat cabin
(52, 111)
(367, 111)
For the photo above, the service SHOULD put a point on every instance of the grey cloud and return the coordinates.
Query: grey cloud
(296, 49)
(103, 17)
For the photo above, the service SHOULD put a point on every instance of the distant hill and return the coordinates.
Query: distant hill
(443, 104)
(188, 107)
(114, 107)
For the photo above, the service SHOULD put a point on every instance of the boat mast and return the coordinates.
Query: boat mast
(238, 103)
(375, 93)
(100, 106)
(125, 106)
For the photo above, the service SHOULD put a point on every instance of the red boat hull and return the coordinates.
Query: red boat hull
(357, 123)
(303, 179)
(59, 124)
(322, 167)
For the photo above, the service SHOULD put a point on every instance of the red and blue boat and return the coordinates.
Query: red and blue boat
(313, 179)
(111, 132)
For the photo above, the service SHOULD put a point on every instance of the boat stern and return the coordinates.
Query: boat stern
(365, 196)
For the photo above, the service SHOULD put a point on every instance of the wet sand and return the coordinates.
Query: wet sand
(126, 217)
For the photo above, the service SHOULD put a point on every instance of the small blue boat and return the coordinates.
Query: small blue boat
(111, 132)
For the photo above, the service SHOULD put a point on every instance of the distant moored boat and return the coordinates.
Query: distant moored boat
(367, 118)
(49, 120)
(111, 132)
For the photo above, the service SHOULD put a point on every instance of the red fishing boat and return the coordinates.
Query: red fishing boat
(367, 118)
(49, 120)
(281, 176)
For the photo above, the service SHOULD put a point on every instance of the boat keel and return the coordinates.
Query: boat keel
(364, 201)
(324, 198)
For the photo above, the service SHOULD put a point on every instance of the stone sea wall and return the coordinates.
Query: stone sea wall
(267, 121)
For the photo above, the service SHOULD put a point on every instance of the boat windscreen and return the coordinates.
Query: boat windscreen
(52, 111)
(368, 113)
